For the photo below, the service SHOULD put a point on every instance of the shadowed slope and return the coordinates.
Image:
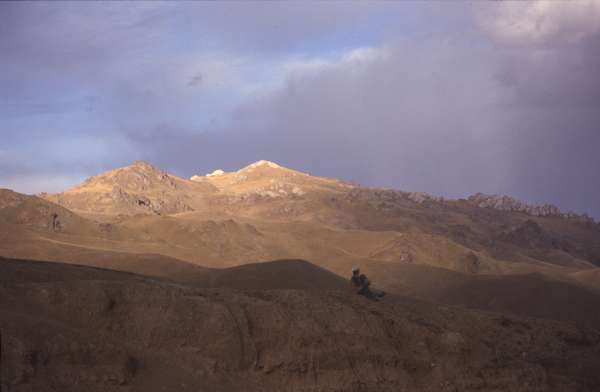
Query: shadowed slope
(271, 275)
(280, 274)
(147, 265)
(588, 277)
(95, 330)
(530, 295)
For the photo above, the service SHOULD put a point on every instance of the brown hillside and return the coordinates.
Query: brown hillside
(437, 232)
(267, 212)
(136, 189)
(74, 328)
(589, 277)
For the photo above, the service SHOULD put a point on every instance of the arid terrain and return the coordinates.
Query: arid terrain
(71, 328)
(238, 281)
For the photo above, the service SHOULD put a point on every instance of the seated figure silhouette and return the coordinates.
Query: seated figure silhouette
(362, 285)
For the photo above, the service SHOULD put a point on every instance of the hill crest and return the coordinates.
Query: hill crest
(137, 188)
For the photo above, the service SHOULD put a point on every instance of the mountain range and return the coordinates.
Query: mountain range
(269, 237)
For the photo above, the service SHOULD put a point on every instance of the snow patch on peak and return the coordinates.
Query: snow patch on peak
(217, 172)
(262, 162)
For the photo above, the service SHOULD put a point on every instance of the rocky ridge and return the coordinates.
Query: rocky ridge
(288, 207)
(507, 203)
(130, 187)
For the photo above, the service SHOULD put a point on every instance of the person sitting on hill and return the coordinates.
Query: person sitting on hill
(362, 285)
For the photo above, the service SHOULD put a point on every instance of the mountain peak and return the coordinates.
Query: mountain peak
(137, 188)
(138, 173)
(143, 165)
(137, 168)
(263, 163)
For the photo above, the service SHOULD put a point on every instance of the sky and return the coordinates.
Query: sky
(449, 98)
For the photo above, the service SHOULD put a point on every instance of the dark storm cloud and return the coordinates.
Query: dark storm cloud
(447, 98)
(455, 117)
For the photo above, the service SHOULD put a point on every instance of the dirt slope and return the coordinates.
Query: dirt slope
(67, 328)
(35, 213)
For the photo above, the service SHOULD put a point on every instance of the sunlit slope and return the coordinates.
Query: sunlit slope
(266, 212)
(136, 189)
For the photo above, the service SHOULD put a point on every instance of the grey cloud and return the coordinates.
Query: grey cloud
(195, 80)
(437, 120)
(127, 48)
(538, 22)
(64, 36)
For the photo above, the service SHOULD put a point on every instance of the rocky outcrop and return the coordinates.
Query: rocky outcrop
(507, 203)
(139, 176)
(421, 197)
(388, 199)
(276, 189)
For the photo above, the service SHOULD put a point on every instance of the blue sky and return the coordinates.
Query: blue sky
(449, 98)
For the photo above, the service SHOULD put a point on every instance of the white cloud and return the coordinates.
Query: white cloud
(539, 22)
(349, 57)
(277, 74)
(364, 55)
